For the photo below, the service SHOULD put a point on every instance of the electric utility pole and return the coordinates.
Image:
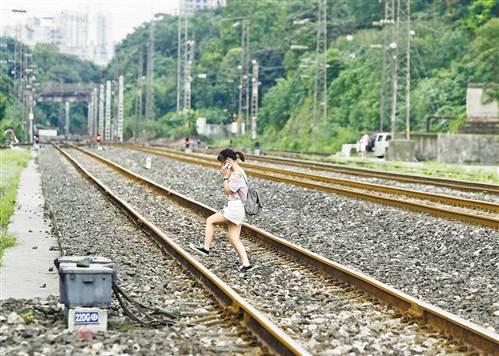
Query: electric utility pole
(397, 35)
(138, 94)
(244, 79)
(107, 127)
(149, 75)
(90, 110)
(101, 110)
(188, 56)
(320, 82)
(119, 128)
(95, 96)
(180, 46)
(185, 57)
(254, 99)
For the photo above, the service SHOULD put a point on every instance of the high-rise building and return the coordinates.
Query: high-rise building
(102, 50)
(72, 32)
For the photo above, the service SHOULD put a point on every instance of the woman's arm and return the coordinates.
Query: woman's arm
(226, 187)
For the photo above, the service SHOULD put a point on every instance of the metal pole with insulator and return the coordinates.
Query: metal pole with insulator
(119, 129)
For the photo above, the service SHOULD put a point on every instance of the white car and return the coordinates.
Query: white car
(378, 144)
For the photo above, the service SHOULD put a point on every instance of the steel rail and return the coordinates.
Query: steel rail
(285, 176)
(265, 330)
(457, 184)
(454, 325)
(446, 199)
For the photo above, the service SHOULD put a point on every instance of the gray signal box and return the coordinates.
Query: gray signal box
(85, 289)
(85, 281)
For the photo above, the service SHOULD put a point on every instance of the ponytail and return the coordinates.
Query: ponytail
(240, 155)
(228, 153)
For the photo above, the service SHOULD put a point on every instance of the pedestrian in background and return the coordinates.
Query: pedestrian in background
(364, 140)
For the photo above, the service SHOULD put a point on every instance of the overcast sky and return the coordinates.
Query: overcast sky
(125, 14)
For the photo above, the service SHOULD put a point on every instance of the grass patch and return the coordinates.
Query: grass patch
(6, 240)
(122, 326)
(427, 168)
(12, 162)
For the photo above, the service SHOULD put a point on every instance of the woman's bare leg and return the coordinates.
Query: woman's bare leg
(209, 234)
(235, 240)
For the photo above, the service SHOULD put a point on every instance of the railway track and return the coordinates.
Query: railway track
(148, 274)
(271, 335)
(299, 281)
(477, 187)
(470, 211)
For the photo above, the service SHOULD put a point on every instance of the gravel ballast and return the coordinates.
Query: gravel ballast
(484, 196)
(428, 188)
(450, 264)
(326, 317)
(88, 224)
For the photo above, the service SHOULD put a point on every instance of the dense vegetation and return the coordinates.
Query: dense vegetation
(455, 43)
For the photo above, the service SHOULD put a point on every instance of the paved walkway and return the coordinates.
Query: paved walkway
(25, 268)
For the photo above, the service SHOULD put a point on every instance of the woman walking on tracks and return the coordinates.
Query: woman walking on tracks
(233, 215)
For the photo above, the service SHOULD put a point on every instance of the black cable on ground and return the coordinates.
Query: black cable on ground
(147, 312)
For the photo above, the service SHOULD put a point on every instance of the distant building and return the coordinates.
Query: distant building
(102, 49)
(481, 117)
(475, 106)
(71, 32)
(190, 6)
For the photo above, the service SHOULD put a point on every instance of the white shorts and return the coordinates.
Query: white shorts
(234, 212)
